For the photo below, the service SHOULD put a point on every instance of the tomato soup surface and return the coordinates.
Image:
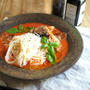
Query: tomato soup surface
(4, 41)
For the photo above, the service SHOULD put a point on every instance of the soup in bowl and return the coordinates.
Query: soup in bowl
(37, 46)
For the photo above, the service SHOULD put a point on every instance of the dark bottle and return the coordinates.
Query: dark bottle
(74, 11)
(59, 8)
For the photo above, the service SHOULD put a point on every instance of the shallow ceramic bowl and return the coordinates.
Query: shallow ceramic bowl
(74, 52)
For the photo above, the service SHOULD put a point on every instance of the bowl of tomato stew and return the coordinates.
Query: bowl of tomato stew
(37, 46)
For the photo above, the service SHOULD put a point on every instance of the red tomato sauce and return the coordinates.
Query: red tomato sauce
(59, 54)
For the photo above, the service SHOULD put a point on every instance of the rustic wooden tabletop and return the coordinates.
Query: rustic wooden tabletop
(14, 7)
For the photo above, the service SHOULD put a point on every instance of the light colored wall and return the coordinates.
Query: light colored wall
(86, 19)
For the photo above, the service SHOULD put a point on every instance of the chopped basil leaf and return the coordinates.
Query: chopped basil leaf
(12, 30)
(44, 40)
(54, 44)
(44, 45)
(51, 51)
(50, 59)
(20, 27)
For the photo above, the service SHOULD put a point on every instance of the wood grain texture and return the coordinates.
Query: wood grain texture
(10, 8)
(14, 7)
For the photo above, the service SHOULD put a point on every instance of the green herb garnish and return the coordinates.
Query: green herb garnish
(12, 30)
(54, 44)
(20, 29)
(50, 49)
(50, 58)
(44, 40)
(44, 45)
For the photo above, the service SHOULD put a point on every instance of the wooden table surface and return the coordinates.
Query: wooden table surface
(14, 7)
